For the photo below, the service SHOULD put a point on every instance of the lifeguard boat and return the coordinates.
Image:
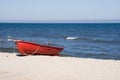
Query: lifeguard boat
(29, 48)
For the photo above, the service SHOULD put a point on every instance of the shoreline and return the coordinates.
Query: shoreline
(38, 67)
(66, 55)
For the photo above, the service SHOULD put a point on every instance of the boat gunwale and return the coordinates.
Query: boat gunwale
(42, 45)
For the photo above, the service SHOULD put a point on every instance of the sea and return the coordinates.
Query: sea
(92, 40)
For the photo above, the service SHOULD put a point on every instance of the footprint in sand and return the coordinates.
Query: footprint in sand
(3, 72)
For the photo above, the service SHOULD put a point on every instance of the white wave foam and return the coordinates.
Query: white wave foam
(71, 38)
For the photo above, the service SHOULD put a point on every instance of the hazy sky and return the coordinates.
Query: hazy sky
(61, 10)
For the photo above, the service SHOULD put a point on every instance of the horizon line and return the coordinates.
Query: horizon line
(59, 21)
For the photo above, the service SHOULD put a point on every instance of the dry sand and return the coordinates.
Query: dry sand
(14, 67)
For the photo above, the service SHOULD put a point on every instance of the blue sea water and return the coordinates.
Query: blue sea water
(95, 40)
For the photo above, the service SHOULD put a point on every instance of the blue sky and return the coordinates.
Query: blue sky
(59, 10)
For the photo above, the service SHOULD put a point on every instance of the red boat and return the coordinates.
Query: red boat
(29, 48)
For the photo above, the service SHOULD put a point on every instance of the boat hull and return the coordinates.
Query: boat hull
(28, 48)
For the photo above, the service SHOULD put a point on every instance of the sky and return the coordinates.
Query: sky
(59, 10)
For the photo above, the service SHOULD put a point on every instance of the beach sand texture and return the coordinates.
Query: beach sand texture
(40, 67)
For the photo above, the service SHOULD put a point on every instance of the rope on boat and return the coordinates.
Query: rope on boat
(22, 51)
(32, 52)
(36, 50)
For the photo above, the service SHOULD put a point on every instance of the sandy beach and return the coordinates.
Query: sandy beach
(14, 67)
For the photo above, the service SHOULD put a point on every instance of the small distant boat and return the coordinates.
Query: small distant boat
(71, 38)
(29, 48)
